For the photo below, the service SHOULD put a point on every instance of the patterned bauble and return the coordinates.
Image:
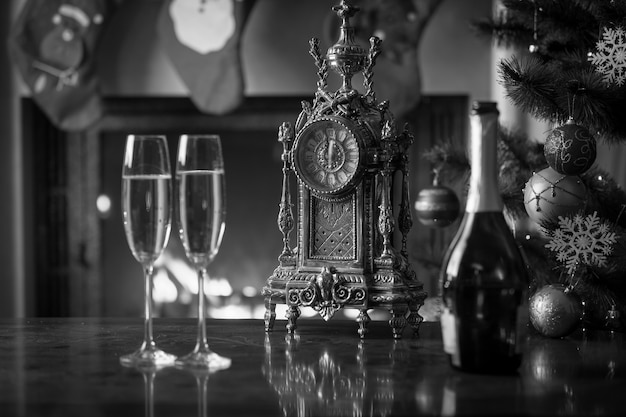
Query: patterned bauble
(437, 206)
(570, 149)
(548, 195)
(555, 311)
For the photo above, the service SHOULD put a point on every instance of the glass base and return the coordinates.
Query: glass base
(148, 358)
(206, 360)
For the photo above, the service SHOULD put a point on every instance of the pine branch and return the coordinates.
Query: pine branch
(518, 159)
(560, 26)
(504, 34)
(553, 92)
(558, 81)
(530, 86)
(605, 196)
(450, 163)
(528, 153)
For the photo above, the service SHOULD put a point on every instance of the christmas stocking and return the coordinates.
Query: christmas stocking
(202, 40)
(54, 44)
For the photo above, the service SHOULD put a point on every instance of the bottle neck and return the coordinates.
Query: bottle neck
(484, 193)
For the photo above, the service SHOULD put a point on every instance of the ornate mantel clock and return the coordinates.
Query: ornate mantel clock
(351, 170)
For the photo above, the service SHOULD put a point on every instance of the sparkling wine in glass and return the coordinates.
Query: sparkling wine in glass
(147, 214)
(201, 213)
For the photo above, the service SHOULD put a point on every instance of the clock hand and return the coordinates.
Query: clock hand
(331, 148)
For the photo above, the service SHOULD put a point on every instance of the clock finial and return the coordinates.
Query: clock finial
(345, 12)
(346, 57)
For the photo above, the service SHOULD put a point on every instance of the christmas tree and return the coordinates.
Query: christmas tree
(568, 214)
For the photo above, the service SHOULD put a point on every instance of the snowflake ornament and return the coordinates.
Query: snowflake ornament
(610, 57)
(582, 240)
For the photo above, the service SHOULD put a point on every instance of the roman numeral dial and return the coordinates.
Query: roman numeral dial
(327, 156)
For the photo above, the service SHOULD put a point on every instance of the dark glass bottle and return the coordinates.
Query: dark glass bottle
(484, 277)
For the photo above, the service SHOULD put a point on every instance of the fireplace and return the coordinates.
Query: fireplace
(81, 263)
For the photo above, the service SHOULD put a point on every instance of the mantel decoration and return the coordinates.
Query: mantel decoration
(54, 45)
(352, 173)
(202, 40)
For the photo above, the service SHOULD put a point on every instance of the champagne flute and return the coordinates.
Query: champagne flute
(202, 208)
(147, 213)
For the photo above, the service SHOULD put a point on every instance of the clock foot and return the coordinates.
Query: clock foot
(398, 320)
(293, 312)
(415, 319)
(363, 319)
(270, 315)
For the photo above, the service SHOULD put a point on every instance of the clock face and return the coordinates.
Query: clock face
(327, 156)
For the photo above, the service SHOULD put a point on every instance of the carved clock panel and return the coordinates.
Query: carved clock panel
(333, 229)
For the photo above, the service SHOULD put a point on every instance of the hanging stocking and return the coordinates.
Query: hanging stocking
(202, 39)
(54, 44)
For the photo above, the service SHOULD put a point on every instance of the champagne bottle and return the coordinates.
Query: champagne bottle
(484, 280)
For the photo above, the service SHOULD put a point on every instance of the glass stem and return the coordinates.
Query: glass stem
(148, 340)
(148, 379)
(202, 344)
(202, 382)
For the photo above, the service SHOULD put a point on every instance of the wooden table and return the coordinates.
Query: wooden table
(70, 367)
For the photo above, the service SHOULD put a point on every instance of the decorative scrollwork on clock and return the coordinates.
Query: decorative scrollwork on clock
(326, 294)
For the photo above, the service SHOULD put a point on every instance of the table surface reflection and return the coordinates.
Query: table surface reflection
(70, 367)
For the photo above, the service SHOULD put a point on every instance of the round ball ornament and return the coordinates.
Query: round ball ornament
(555, 311)
(570, 149)
(437, 206)
(549, 194)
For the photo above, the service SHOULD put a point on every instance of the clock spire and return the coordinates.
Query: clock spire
(346, 56)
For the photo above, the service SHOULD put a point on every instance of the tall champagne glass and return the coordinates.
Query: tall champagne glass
(147, 213)
(202, 208)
